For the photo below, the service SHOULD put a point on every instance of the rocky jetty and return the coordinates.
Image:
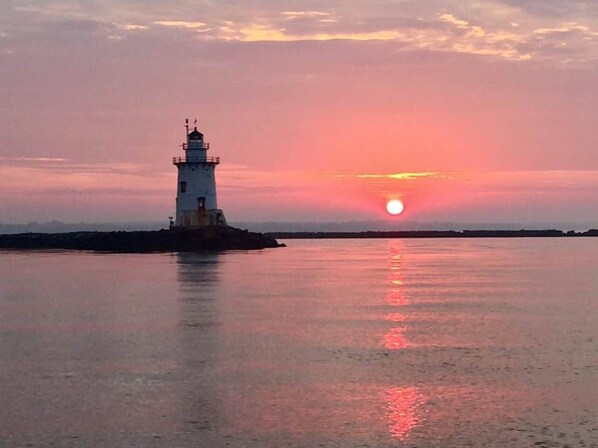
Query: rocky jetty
(214, 238)
(435, 234)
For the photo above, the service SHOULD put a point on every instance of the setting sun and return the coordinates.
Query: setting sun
(395, 207)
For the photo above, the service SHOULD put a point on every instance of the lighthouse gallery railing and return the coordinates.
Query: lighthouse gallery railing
(213, 160)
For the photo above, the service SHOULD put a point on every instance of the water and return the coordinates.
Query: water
(379, 343)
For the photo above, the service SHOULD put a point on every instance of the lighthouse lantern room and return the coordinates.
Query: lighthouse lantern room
(196, 204)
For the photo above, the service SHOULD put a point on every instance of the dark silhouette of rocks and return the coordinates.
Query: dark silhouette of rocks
(205, 239)
(435, 234)
(218, 238)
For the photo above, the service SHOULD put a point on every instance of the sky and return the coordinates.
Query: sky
(466, 110)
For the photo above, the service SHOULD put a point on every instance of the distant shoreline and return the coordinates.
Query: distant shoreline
(230, 238)
(435, 234)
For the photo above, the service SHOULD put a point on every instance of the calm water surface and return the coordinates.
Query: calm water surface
(379, 343)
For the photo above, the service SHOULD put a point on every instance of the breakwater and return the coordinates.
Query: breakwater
(436, 234)
(190, 240)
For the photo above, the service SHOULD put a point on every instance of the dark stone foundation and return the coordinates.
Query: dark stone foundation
(215, 238)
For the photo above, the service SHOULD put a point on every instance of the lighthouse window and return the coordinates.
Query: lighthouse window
(183, 187)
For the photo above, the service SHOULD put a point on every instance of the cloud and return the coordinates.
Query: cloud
(266, 33)
(399, 176)
(181, 24)
(491, 181)
(292, 15)
(132, 27)
(32, 159)
(459, 23)
(468, 27)
(54, 173)
(564, 29)
(446, 33)
(556, 8)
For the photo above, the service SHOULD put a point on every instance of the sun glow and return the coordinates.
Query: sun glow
(395, 207)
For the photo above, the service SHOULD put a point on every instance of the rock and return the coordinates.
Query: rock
(216, 238)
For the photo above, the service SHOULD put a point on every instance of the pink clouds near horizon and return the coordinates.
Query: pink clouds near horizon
(128, 192)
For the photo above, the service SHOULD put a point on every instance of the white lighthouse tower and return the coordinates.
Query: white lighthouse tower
(196, 204)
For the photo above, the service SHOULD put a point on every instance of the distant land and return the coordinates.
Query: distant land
(435, 234)
(298, 227)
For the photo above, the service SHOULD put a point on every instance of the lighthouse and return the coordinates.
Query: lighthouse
(196, 203)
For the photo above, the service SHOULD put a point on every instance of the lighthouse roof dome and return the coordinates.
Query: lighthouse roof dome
(195, 135)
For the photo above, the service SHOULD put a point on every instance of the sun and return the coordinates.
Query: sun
(395, 207)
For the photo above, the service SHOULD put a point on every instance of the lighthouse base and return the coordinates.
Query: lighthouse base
(196, 219)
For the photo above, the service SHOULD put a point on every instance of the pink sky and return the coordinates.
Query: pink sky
(470, 111)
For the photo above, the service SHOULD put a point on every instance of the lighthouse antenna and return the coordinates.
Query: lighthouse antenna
(186, 127)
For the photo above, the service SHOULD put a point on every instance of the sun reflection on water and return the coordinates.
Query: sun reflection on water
(396, 293)
(396, 297)
(401, 402)
(395, 317)
(401, 407)
(395, 338)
